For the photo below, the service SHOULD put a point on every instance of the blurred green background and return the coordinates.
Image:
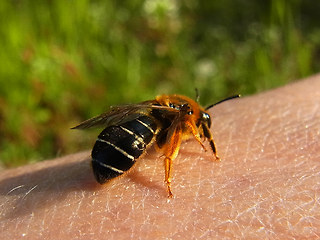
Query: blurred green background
(64, 61)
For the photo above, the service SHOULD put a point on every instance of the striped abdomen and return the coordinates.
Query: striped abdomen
(118, 147)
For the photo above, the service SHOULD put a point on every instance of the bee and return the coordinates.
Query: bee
(130, 129)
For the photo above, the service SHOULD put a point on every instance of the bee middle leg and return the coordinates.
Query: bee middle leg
(193, 128)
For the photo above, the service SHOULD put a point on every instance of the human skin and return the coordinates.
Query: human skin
(267, 185)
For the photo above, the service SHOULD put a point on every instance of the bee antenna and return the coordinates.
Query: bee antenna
(197, 95)
(226, 99)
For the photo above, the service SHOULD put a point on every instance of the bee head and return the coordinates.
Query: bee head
(185, 107)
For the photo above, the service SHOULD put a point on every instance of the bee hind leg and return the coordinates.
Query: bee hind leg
(171, 152)
(168, 168)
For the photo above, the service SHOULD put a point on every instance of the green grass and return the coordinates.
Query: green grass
(62, 62)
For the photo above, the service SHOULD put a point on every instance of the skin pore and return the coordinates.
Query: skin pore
(267, 184)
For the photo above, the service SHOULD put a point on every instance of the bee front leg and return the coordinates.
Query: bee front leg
(208, 135)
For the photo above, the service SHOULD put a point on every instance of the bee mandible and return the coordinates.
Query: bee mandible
(130, 129)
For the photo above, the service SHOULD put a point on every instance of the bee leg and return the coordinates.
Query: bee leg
(213, 147)
(168, 167)
(208, 135)
(171, 152)
(195, 133)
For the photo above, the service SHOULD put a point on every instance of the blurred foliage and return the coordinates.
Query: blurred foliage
(64, 61)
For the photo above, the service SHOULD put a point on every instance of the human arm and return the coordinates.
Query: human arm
(266, 186)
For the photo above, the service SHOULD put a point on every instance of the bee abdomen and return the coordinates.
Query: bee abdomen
(118, 147)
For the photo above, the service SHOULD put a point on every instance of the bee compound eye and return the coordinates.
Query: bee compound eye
(206, 118)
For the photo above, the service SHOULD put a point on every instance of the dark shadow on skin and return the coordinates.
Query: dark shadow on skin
(139, 179)
(20, 192)
(53, 184)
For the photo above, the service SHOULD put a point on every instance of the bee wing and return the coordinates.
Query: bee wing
(118, 114)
